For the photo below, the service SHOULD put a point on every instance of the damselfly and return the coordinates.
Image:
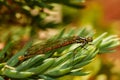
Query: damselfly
(49, 46)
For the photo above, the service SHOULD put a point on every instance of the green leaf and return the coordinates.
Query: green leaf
(14, 60)
(2, 53)
(42, 68)
(29, 63)
(99, 39)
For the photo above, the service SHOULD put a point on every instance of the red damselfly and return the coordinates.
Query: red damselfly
(49, 46)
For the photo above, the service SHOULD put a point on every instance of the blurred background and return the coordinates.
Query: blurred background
(22, 20)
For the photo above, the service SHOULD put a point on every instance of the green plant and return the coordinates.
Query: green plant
(56, 63)
(25, 17)
(31, 12)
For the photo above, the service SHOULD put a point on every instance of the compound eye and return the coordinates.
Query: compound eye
(89, 39)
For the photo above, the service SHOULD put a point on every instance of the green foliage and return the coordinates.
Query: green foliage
(31, 12)
(68, 62)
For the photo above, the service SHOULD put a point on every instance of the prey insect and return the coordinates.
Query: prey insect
(49, 46)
